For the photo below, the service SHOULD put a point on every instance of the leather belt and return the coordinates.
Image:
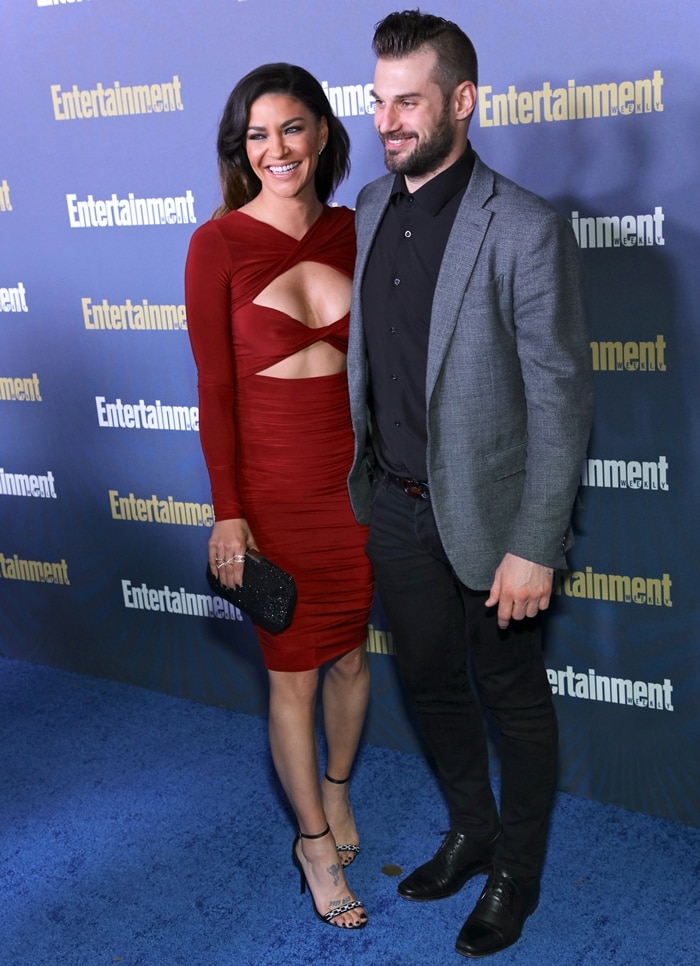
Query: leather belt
(414, 488)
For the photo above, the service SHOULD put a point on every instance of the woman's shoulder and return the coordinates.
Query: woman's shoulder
(223, 234)
(340, 221)
(341, 214)
(229, 225)
(335, 237)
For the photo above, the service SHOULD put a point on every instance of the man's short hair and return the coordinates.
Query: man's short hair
(408, 32)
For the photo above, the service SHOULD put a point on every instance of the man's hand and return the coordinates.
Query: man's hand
(521, 588)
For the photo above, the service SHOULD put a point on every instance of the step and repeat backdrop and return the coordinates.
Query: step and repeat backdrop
(108, 119)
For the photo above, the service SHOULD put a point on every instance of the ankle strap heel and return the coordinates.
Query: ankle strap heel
(348, 906)
(319, 835)
(347, 852)
(336, 781)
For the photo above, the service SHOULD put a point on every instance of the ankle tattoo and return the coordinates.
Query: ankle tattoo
(334, 872)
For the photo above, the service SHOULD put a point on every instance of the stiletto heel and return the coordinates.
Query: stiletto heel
(347, 851)
(329, 917)
(297, 863)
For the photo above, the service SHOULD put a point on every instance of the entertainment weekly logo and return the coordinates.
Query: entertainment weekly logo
(56, 3)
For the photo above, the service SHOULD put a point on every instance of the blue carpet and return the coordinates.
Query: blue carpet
(147, 830)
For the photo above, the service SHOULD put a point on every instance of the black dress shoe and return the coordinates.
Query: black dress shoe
(498, 917)
(455, 862)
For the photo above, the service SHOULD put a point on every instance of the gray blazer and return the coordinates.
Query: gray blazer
(508, 386)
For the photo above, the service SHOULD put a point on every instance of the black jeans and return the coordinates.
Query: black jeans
(440, 627)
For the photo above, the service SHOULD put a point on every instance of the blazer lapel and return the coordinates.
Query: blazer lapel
(373, 208)
(463, 246)
(374, 204)
(375, 199)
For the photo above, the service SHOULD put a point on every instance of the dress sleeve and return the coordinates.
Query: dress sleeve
(208, 303)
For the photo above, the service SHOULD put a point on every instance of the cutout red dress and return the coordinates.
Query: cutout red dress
(278, 451)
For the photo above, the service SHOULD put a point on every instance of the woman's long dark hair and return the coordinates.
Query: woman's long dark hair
(239, 183)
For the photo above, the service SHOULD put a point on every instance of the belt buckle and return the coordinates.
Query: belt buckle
(415, 489)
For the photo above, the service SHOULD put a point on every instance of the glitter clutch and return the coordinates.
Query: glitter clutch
(268, 593)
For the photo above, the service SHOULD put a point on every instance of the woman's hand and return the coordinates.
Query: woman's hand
(227, 546)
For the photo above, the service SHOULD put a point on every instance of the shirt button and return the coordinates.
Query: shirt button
(407, 234)
(394, 376)
(397, 424)
(397, 281)
(392, 330)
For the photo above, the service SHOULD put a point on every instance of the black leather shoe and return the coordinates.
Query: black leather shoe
(498, 917)
(455, 862)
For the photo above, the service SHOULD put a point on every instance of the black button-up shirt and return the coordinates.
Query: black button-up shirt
(397, 298)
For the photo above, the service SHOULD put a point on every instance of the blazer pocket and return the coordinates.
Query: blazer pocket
(496, 283)
(484, 281)
(508, 462)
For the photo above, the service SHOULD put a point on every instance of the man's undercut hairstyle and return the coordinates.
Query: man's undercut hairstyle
(409, 32)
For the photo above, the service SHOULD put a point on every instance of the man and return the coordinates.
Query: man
(471, 400)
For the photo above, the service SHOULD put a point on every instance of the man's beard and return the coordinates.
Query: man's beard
(428, 154)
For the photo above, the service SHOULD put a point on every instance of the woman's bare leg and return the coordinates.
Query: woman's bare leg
(294, 753)
(345, 697)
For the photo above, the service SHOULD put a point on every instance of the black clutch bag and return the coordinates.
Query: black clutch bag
(268, 593)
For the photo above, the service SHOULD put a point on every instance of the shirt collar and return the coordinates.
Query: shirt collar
(435, 193)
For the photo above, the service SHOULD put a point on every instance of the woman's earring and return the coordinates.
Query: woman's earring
(320, 150)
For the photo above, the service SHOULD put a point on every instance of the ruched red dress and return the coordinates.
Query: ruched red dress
(278, 451)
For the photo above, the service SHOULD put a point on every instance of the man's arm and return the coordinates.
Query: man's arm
(554, 355)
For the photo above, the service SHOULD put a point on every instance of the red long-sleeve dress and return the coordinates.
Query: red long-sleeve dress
(278, 451)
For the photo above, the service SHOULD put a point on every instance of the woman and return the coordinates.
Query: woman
(268, 286)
